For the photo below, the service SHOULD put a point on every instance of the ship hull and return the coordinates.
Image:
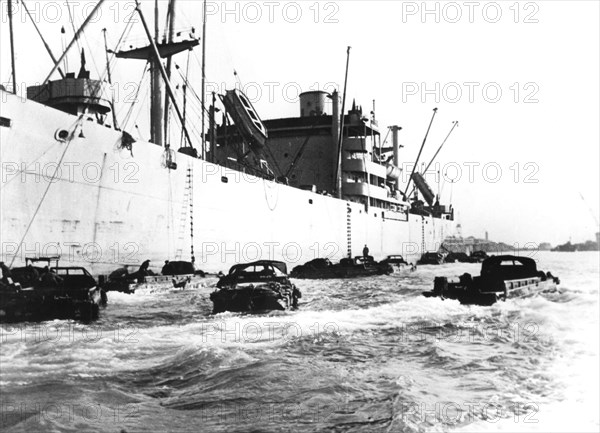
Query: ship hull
(101, 205)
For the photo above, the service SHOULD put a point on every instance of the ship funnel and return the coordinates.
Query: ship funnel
(314, 103)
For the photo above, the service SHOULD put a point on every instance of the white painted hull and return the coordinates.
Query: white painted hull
(107, 207)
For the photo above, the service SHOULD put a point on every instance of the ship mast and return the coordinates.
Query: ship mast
(170, 34)
(12, 46)
(203, 75)
(153, 53)
(156, 106)
(338, 167)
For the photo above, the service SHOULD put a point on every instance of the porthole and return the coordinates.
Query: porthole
(61, 135)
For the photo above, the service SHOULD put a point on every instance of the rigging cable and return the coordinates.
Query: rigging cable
(202, 109)
(77, 124)
(64, 47)
(384, 141)
(112, 59)
(85, 40)
(141, 110)
(72, 23)
(274, 160)
(128, 115)
(302, 148)
(62, 74)
(185, 86)
(25, 170)
(75, 38)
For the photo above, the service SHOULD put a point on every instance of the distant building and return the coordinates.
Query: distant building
(545, 246)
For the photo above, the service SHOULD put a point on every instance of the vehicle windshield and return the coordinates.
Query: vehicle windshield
(262, 269)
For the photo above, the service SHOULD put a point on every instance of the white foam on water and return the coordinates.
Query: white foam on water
(346, 330)
(571, 328)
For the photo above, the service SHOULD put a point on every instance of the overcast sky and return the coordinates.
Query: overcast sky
(522, 78)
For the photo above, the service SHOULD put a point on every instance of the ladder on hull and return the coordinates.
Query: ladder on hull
(187, 207)
(422, 235)
(349, 229)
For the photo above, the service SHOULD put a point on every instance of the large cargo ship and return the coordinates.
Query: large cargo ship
(76, 185)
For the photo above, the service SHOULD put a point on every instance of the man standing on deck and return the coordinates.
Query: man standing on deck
(366, 252)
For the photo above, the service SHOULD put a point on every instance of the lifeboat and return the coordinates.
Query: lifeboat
(246, 118)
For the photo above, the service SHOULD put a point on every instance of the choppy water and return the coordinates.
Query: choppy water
(362, 355)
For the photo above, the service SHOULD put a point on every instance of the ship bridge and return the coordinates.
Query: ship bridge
(74, 94)
(369, 176)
